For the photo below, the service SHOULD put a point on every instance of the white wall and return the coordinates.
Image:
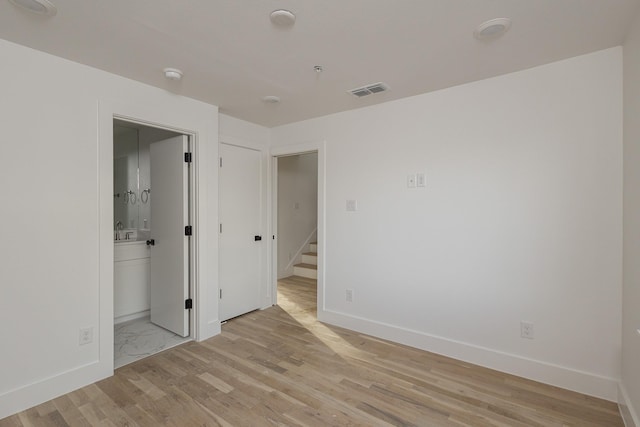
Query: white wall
(57, 243)
(297, 208)
(521, 219)
(631, 287)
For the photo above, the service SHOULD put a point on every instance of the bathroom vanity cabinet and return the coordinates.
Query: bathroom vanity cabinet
(131, 280)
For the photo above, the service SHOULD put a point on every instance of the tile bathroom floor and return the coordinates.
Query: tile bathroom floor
(139, 338)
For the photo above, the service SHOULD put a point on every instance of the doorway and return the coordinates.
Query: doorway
(298, 222)
(152, 233)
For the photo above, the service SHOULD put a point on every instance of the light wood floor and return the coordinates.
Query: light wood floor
(280, 367)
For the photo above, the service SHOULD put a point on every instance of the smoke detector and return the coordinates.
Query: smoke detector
(369, 89)
(283, 18)
(172, 73)
(41, 7)
(492, 29)
(270, 99)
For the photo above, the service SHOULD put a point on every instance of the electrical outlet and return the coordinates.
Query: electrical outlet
(86, 335)
(349, 295)
(526, 330)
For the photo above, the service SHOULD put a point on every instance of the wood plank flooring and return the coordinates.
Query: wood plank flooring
(280, 367)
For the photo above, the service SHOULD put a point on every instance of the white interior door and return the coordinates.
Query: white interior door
(240, 252)
(170, 251)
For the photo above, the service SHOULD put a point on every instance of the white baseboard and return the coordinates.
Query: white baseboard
(560, 376)
(36, 393)
(133, 316)
(629, 415)
(211, 329)
(285, 273)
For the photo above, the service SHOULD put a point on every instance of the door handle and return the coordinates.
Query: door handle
(257, 238)
(151, 242)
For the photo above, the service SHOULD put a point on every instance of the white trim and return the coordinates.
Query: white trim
(290, 150)
(560, 376)
(14, 401)
(240, 142)
(133, 316)
(628, 412)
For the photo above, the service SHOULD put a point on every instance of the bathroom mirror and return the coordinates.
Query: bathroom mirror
(126, 194)
(132, 176)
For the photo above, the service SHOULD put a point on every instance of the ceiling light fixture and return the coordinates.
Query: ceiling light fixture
(283, 18)
(492, 29)
(270, 99)
(172, 73)
(318, 69)
(41, 7)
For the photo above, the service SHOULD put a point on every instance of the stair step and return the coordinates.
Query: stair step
(310, 258)
(306, 270)
(305, 265)
(313, 247)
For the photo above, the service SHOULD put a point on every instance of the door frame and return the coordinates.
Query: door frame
(292, 150)
(203, 133)
(191, 180)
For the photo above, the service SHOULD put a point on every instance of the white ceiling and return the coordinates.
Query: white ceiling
(232, 55)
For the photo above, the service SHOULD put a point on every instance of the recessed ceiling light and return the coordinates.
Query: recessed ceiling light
(271, 99)
(283, 18)
(42, 7)
(492, 28)
(172, 73)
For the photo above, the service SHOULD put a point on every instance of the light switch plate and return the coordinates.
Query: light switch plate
(420, 180)
(352, 205)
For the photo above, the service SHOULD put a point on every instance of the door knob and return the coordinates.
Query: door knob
(257, 238)
(151, 242)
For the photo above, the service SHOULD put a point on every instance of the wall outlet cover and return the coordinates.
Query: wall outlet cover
(526, 330)
(349, 295)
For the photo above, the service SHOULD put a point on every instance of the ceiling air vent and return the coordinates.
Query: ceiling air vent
(369, 90)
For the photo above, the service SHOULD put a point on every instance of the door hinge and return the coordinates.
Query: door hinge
(187, 157)
(188, 230)
(188, 304)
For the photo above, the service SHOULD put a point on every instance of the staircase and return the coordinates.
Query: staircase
(309, 266)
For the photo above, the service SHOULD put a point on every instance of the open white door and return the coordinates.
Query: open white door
(240, 239)
(170, 248)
